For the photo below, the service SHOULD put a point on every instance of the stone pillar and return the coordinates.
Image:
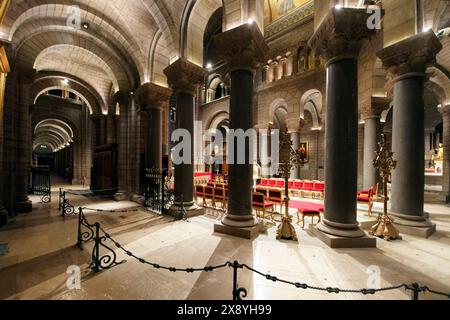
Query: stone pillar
(372, 133)
(244, 49)
(154, 99)
(445, 111)
(184, 78)
(406, 63)
(339, 40)
(122, 168)
(22, 202)
(372, 130)
(294, 130)
(4, 69)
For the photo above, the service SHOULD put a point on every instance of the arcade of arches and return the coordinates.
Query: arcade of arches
(95, 90)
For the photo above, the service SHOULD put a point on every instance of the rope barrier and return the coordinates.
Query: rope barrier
(107, 261)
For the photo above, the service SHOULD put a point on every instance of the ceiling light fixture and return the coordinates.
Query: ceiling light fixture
(66, 81)
(85, 25)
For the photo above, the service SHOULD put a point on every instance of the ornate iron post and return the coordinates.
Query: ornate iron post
(385, 164)
(289, 158)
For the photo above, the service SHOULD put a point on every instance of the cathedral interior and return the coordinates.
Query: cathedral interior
(149, 148)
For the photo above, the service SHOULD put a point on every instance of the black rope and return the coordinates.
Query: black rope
(113, 211)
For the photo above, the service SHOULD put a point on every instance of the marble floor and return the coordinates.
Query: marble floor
(40, 249)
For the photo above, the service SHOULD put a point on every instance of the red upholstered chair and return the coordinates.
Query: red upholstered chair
(262, 190)
(219, 197)
(276, 196)
(261, 205)
(200, 192)
(272, 183)
(308, 187)
(280, 184)
(319, 189)
(264, 182)
(209, 196)
(367, 200)
(291, 184)
(296, 187)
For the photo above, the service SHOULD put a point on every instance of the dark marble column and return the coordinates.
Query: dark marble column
(185, 78)
(22, 202)
(445, 111)
(406, 63)
(122, 169)
(154, 99)
(244, 49)
(339, 39)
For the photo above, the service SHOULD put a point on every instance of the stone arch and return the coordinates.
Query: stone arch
(28, 51)
(51, 81)
(216, 119)
(158, 60)
(32, 17)
(200, 12)
(277, 104)
(315, 97)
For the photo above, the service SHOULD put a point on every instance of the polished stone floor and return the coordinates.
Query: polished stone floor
(41, 248)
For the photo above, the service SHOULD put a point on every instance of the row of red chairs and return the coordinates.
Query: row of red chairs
(217, 198)
(303, 188)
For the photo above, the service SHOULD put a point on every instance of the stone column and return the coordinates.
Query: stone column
(184, 78)
(445, 111)
(244, 49)
(122, 168)
(4, 68)
(22, 202)
(294, 130)
(154, 99)
(406, 63)
(339, 39)
(372, 132)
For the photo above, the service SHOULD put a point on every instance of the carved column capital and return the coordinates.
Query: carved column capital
(152, 96)
(341, 34)
(375, 107)
(185, 76)
(244, 47)
(412, 55)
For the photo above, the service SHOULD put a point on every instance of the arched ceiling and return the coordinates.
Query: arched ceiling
(53, 133)
(105, 43)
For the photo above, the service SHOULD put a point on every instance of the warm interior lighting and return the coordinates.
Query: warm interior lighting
(250, 21)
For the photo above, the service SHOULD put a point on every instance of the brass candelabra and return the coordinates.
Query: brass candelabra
(289, 159)
(385, 164)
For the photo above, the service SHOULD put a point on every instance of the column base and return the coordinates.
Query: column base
(246, 227)
(192, 210)
(337, 242)
(139, 199)
(3, 217)
(121, 196)
(23, 206)
(419, 226)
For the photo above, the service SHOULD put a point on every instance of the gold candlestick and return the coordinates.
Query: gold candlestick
(385, 163)
(289, 158)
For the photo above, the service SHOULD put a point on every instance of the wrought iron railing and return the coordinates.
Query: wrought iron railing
(39, 183)
(99, 262)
